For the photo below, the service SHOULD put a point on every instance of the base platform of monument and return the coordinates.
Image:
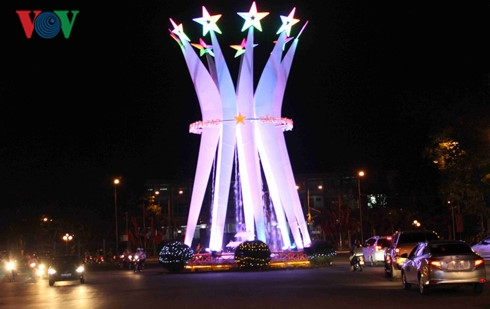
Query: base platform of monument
(226, 261)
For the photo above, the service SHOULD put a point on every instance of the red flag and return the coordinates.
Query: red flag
(131, 238)
(159, 236)
(135, 224)
(136, 233)
(459, 222)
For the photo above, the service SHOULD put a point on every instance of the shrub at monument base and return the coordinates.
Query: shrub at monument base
(252, 255)
(320, 253)
(174, 256)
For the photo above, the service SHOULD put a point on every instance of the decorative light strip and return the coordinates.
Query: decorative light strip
(285, 123)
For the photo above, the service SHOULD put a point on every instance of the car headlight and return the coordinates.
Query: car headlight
(51, 271)
(400, 260)
(10, 266)
(80, 269)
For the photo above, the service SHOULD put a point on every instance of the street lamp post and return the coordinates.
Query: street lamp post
(308, 218)
(153, 236)
(116, 182)
(452, 218)
(169, 209)
(359, 175)
(67, 237)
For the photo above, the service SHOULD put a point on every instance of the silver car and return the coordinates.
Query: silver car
(483, 248)
(443, 263)
(374, 249)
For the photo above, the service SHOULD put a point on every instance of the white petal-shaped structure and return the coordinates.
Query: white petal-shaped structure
(246, 123)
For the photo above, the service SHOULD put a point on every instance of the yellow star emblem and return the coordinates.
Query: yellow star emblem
(240, 118)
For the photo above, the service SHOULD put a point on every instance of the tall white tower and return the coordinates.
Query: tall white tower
(248, 121)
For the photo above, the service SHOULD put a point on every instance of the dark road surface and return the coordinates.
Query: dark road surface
(326, 287)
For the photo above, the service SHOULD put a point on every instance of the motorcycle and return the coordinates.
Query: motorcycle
(138, 264)
(10, 268)
(38, 270)
(125, 261)
(99, 257)
(357, 260)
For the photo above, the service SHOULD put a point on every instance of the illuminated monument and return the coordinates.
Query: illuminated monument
(238, 123)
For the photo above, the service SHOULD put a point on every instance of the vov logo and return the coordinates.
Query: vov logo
(47, 24)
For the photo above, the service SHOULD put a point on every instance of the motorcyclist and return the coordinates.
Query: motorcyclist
(37, 270)
(125, 259)
(355, 251)
(10, 267)
(31, 261)
(141, 256)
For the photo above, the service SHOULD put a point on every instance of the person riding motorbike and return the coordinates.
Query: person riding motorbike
(10, 267)
(125, 259)
(356, 256)
(139, 259)
(36, 267)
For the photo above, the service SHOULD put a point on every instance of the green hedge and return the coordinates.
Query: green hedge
(320, 253)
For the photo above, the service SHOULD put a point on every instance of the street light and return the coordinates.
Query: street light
(452, 218)
(359, 175)
(67, 237)
(116, 182)
(308, 217)
(308, 204)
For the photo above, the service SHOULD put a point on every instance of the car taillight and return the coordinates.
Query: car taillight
(435, 263)
(378, 248)
(479, 262)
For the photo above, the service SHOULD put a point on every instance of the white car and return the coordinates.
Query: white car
(373, 249)
(483, 248)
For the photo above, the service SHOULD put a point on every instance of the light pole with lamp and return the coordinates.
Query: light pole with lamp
(308, 210)
(452, 219)
(116, 182)
(309, 217)
(67, 237)
(359, 175)
(173, 201)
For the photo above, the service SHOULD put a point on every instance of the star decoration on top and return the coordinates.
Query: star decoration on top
(240, 118)
(175, 37)
(252, 18)
(241, 48)
(179, 31)
(208, 22)
(288, 22)
(203, 48)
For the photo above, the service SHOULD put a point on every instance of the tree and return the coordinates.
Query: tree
(336, 223)
(461, 152)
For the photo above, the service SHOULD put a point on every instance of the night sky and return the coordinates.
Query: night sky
(368, 82)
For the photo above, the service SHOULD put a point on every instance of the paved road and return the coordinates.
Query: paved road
(327, 287)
